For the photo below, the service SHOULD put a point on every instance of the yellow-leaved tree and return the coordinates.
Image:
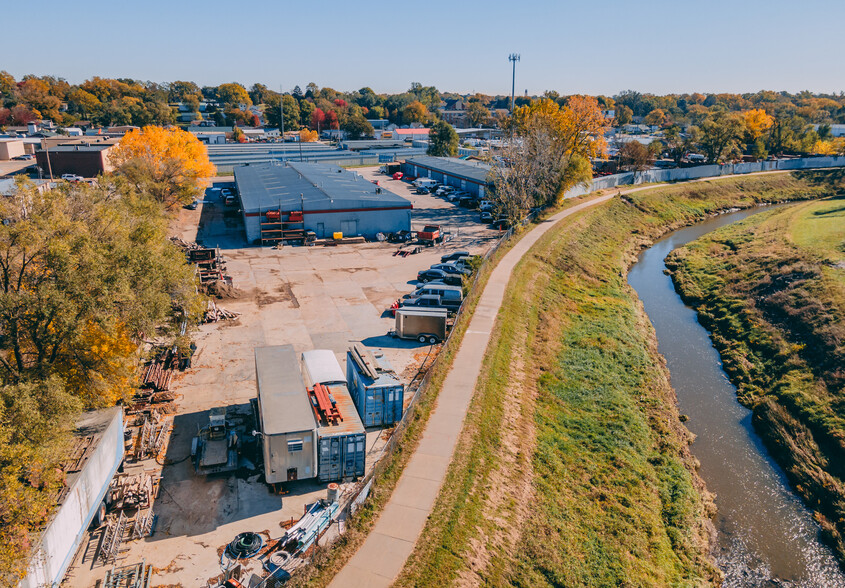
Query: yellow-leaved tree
(167, 164)
(757, 122)
(549, 153)
(307, 135)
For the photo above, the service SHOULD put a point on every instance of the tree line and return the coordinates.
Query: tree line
(87, 275)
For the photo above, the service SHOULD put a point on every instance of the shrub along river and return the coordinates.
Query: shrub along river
(765, 534)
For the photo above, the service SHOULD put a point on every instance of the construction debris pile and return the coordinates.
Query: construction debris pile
(215, 313)
(130, 499)
(131, 576)
(210, 266)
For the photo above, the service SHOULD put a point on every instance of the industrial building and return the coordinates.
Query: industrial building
(376, 391)
(95, 457)
(284, 202)
(471, 176)
(285, 416)
(342, 447)
(11, 148)
(81, 159)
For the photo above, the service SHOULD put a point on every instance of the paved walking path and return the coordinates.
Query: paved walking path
(380, 559)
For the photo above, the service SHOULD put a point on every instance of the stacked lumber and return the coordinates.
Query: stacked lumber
(215, 313)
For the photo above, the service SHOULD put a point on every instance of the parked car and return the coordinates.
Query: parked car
(444, 190)
(485, 205)
(193, 205)
(451, 268)
(454, 196)
(453, 256)
(72, 177)
(398, 176)
(435, 274)
(502, 223)
(401, 236)
(428, 301)
(467, 201)
(25, 157)
(421, 190)
(228, 196)
(486, 216)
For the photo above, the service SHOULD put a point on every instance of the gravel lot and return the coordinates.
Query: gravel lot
(311, 297)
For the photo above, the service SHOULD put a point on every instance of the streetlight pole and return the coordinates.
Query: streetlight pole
(513, 57)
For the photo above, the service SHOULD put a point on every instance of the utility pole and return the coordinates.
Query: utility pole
(282, 115)
(513, 57)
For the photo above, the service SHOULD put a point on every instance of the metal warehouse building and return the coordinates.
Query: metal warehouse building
(472, 176)
(282, 202)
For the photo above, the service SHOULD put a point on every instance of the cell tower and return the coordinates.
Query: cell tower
(513, 57)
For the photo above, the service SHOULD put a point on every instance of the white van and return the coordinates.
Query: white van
(424, 182)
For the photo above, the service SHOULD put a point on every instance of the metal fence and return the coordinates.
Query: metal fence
(359, 495)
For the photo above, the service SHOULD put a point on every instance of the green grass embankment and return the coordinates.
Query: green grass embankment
(573, 468)
(772, 292)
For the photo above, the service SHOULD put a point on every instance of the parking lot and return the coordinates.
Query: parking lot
(311, 297)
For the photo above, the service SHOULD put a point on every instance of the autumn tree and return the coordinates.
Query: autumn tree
(477, 114)
(656, 117)
(442, 140)
(720, 136)
(84, 272)
(635, 157)
(415, 112)
(167, 164)
(179, 91)
(624, 115)
(233, 93)
(549, 154)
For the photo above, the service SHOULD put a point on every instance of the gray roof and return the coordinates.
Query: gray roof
(79, 147)
(310, 187)
(284, 403)
(474, 171)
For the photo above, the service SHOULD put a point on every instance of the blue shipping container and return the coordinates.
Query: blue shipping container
(376, 391)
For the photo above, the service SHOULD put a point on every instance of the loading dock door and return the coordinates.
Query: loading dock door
(349, 227)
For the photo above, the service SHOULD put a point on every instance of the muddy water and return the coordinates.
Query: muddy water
(766, 537)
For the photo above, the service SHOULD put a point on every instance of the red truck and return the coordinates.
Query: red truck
(430, 235)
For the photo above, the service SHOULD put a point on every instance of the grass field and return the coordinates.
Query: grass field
(573, 468)
(771, 289)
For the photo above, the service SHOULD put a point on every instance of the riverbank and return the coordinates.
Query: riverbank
(772, 292)
(573, 467)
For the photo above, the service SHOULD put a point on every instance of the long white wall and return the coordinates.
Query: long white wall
(65, 531)
(705, 171)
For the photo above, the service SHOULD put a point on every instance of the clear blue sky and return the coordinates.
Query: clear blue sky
(458, 45)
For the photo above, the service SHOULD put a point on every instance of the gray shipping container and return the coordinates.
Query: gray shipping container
(376, 391)
(341, 443)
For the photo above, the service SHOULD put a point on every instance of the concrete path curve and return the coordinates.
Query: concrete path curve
(379, 560)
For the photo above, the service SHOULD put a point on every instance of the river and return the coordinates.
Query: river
(766, 536)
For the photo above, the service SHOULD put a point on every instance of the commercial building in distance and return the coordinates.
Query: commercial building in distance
(82, 159)
(472, 176)
(282, 202)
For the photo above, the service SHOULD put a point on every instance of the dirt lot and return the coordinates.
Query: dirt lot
(311, 297)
